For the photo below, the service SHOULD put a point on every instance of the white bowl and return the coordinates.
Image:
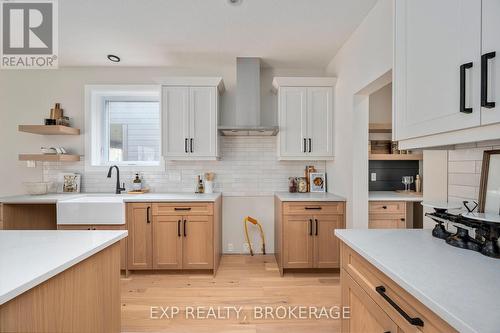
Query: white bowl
(36, 188)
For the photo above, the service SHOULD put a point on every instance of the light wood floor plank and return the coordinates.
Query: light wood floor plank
(241, 281)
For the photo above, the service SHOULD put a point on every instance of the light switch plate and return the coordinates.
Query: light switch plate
(373, 177)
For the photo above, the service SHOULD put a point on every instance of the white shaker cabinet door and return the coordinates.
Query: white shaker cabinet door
(433, 39)
(293, 121)
(319, 121)
(490, 59)
(176, 121)
(203, 125)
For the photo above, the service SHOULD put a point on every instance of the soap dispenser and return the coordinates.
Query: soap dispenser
(137, 183)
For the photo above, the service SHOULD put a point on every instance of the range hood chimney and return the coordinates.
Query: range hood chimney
(247, 114)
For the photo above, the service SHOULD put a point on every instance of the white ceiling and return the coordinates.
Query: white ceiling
(284, 33)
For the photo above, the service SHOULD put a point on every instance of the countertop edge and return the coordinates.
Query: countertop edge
(452, 320)
(61, 268)
(393, 196)
(304, 197)
(54, 198)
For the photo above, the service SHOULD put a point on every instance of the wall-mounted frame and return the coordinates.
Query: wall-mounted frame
(489, 190)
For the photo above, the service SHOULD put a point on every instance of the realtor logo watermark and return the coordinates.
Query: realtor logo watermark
(29, 38)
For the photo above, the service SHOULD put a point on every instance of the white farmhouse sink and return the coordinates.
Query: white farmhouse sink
(91, 210)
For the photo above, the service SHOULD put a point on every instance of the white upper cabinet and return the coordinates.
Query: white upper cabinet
(175, 105)
(490, 81)
(293, 119)
(305, 107)
(445, 71)
(437, 43)
(190, 109)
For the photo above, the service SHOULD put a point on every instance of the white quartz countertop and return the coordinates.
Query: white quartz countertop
(28, 258)
(460, 286)
(287, 196)
(147, 197)
(393, 196)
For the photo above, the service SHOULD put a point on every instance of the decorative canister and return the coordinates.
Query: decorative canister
(301, 185)
(292, 184)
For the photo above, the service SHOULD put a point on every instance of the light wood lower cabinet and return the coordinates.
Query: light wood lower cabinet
(390, 215)
(365, 315)
(198, 243)
(139, 248)
(123, 242)
(298, 242)
(167, 242)
(326, 244)
(304, 234)
(174, 236)
(377, 303)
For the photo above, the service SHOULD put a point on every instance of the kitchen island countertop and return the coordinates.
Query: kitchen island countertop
(460, 286)
(30, 257)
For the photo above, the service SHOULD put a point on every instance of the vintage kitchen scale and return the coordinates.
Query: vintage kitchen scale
(485, 225)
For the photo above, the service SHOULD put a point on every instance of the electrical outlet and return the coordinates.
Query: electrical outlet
(246, 248)
(230, 247)
(373, 177)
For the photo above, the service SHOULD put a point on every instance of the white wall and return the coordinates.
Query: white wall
(381, 105)
(365, 57)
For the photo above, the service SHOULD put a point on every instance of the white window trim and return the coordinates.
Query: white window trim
(94, 95)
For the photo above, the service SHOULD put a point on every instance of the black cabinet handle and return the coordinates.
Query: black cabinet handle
(484, 80)
(179, 228)
(182, 208)
(191, 144)
(186, 145)
(463, 71)
(305, 145)
(316, 221)
(185, 234)
(147, 214)
(310, 227)
(414, 321)
(310, 145)
(402, 219)
(312, 208)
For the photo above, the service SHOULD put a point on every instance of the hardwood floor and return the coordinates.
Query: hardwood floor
(241, 281)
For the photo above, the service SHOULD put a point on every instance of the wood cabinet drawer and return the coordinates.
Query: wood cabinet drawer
(387, 207)
(186, 208)
(313, 208)
(369, 278)
(387, 221)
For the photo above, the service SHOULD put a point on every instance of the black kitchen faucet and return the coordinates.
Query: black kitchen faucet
(118, 188)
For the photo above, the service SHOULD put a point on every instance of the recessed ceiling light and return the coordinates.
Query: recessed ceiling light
(235, 2)
(113, 58)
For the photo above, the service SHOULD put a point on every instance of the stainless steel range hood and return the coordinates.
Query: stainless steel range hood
(247, 113)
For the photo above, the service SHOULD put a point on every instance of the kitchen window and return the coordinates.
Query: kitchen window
(124, 125)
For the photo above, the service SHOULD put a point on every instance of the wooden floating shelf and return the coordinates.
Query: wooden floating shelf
(49, 157)
(396, 157)
(380, 128)
(49, 129)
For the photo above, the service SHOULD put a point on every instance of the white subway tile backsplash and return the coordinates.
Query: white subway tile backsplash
(488, 143)
(461, 166)
(464, 179)
(249, 167)
(464, 169)
(464, 192)
(473, 154)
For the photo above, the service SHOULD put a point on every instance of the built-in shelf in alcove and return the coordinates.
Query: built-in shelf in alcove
(396, 157)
